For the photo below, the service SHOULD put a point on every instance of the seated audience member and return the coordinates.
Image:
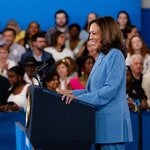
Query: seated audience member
(92, 51)
(61, 21)
(86, 65)
(20, 34)
(39, 43)
(84, 34)
(72, 67)
(62, 69)
(138, 46)
(32, 29)
(123, 20)
(4, 86)
(89, 50)
(51, 82)
(74, 43)
(17, 97)
(15, 50)
(29, 66)
(131, 30)
(146, 87)
(5, 62)
(135, 91)
(57, 48)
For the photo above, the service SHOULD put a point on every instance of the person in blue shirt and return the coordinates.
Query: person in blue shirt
(106, 87)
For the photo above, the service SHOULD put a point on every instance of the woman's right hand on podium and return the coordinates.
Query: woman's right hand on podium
(67, 96)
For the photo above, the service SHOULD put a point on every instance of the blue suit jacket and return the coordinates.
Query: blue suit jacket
(45, 56)
(106, 89)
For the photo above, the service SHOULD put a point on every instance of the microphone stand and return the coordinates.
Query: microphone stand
(39, 78)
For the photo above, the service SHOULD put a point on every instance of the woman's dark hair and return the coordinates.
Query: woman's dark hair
(18, 70)
(50, 75)
(111, 34)
(9, 29)
(54, 38)
(75, 25)
(61, 11)
(129, 28)
(81, 62)
(27, 34)
(128, 17)
(38, 35)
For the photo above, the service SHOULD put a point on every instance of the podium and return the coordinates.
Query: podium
(53, 125)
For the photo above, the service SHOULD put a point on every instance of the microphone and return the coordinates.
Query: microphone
(50, 61)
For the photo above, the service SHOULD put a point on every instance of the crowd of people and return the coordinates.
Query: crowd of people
(74, 54)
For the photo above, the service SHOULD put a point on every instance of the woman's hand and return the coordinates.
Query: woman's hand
(68, 98)
(132, 105)
(67, 95)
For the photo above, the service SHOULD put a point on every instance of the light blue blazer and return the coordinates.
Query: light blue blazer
(106, 89)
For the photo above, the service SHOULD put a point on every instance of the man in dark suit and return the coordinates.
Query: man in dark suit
(38, 43)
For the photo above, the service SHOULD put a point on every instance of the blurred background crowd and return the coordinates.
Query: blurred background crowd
(22, 51)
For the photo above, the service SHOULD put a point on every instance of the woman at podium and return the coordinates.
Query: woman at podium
(106, 87)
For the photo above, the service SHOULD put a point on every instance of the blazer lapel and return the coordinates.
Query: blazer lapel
(97, 63)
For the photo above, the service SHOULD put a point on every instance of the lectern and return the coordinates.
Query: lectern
(53, 125)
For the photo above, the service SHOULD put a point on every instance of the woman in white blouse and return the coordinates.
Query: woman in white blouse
(57, 48)
(138, 46)
(17, 97)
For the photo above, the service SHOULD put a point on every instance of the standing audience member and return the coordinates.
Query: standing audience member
(61, 20)
(5, 62)
(62, 69)
(20, 34)
(51, 82)
(123, 20)
(72, 67)
(138, 46)
(57, 48)
(84, 34)
(92, 51)
(17, 97)
(131, 30)
(74, 43)
(15, 50)
(85, 67)
(32, 29)
(29, 65)
(136, 93)
(106, 87)
(89, 49)
(39, 43)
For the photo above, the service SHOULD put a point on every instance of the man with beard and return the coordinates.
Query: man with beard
(39, 43)
(61, 20)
